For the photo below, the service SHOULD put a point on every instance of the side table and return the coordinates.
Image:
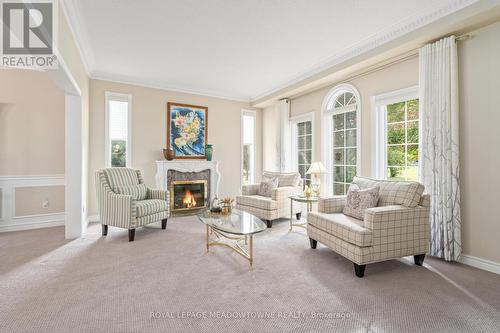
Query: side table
(302, 199)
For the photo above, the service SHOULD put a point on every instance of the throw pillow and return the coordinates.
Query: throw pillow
(138, 192)
(359, 200)
(267, 185)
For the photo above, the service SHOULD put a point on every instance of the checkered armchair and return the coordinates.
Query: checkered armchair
(124, 200)
(397, 227)
(278, 204)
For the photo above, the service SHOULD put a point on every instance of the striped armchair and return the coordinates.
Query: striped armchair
(124, 201)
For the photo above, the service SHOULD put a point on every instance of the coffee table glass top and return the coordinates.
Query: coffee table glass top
(303, 198)
(237, 222)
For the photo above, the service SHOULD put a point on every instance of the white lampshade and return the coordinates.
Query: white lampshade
(316, 167)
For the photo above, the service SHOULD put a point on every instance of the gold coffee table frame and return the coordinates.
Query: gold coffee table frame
(235, 246)
(234, 230)
(302, 199)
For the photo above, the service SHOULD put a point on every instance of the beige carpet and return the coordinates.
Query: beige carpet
(106, 284)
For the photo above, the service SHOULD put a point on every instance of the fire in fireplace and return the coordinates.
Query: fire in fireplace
(188, 195)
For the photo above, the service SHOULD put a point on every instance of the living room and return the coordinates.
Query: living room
(253, 166)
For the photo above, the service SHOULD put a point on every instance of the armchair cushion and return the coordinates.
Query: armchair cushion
(257, 201)
(151, 206)
(393, 192)
(138, 192)
(359, 200)
(267, 186)
(342, 226)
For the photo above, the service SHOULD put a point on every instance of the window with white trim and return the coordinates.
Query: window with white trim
(398, 135)
(118, 130)
(248, 146)
(341, 131)
(302, 145)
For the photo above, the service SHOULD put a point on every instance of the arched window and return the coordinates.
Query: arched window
(341, 136)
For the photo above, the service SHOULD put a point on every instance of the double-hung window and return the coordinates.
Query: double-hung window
(248, 118)
(302, 144)
(397, 141)
(118, 130)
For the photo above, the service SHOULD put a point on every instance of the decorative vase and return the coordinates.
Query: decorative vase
(168, 153)
(208, 151)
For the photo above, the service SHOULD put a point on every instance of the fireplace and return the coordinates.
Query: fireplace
(188, 195)
(182, 172)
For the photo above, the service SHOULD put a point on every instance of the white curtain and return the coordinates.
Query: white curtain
(439, 148)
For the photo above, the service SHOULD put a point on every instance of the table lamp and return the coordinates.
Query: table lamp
(316, 169)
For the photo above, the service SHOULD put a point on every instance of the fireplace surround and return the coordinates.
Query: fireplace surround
(201, 178)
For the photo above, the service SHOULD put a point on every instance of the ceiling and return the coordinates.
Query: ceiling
(234, 49)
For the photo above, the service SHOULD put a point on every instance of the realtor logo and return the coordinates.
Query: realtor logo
(27, 34)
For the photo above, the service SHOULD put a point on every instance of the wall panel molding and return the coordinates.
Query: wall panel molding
(8, 219)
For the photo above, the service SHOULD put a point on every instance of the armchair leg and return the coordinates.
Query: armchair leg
(269, 223)
(298, 216)
(359, 270)
(419, 259)
(164, 223)
(313, 243)
(104, 229)
(131, 235)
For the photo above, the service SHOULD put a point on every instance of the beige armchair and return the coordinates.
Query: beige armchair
(398, 227)
(276, 206)
(124, 201)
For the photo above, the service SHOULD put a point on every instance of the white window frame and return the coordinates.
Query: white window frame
(379, 105)
(293, 136)
(108, 95)
(251, 113)
(326, 132)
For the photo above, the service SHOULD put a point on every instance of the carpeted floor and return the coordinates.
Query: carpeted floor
(165, 282)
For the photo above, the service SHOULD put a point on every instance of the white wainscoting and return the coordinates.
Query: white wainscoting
(8, 219)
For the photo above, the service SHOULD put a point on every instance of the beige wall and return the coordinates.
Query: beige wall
(149, 135)
(397, 76)
(270, 139)
(479, 74)
(31, 124)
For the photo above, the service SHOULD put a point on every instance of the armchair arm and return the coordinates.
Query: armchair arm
(332, 205)
(392, 221)
(282, 193)
(252, 189)
(118, 210)
(158, 194)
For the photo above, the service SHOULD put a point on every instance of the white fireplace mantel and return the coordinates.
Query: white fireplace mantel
(188, 166)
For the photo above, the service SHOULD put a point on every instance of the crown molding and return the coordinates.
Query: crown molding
(80, 36)
(380, 38)
(103, 76)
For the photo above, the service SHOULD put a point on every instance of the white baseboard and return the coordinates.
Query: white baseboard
(31, 225)
(480, 263)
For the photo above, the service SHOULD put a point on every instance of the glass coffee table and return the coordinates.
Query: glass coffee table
(238, 227)
(302, 199)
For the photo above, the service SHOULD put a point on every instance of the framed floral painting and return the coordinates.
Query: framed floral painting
(187, 129)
